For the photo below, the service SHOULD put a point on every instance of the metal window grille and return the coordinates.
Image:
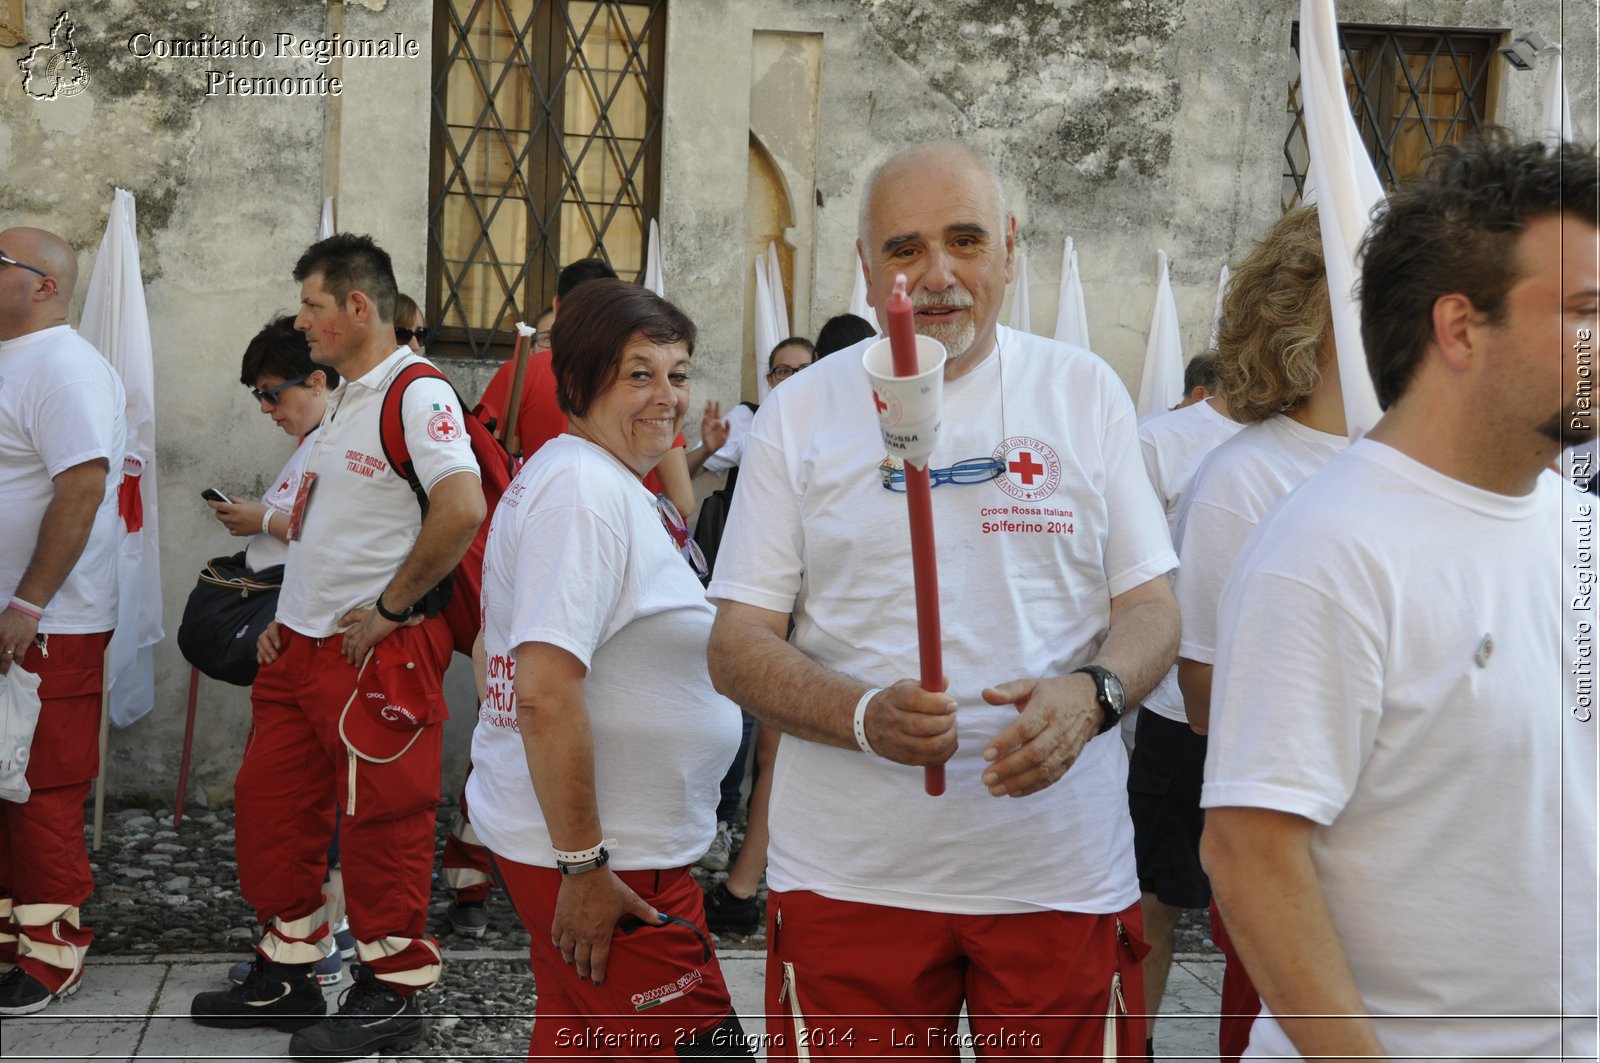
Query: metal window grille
(1410, 90)
(546, 149)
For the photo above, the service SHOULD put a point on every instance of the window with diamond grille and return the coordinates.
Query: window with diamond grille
(1410, 90)
(546, 149)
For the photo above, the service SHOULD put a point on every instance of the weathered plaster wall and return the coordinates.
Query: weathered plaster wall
(1129, 124)
(229, 192)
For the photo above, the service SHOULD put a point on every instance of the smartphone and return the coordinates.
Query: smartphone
(211, 494)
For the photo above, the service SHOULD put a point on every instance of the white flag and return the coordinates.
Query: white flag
(1216, 314)
(1021, 312)
(1072, 322)
(1347, 189)
(652, 262)
(1555, 122)
(1161, 384)
(858, 293)
(768, 330)
(116, 322)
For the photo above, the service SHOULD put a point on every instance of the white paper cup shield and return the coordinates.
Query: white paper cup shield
(909, 407)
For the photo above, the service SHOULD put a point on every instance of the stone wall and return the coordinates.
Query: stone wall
(1131, 125)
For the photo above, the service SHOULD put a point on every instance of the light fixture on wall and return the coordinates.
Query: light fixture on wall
(1523, 50)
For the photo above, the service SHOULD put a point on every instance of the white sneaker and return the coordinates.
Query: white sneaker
(716, 858)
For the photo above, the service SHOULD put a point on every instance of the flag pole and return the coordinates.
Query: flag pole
(919, 508)
(509, 434)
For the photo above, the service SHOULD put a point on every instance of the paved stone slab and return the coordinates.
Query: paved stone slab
(138, 1009)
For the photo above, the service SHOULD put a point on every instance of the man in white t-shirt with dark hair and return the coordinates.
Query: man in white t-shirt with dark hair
(1015, 891)
(1400, 785)
(62, 431)
(347, 709)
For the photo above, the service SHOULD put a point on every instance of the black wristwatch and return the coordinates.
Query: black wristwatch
(395, 618)
(1108, 692)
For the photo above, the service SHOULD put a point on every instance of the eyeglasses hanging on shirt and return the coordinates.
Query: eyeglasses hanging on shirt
(678, 528)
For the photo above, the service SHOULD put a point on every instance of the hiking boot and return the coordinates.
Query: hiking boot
(23, 994)
(284, 996)
(330, 970)
(727, 914)
(716, 858)
(372, 1018)
(470, 918)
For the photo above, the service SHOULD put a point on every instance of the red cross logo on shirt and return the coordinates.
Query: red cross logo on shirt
(1026, 468)
(443, 427)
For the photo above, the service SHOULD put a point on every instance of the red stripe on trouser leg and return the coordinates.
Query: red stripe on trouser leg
(465, 862)
(1036, 984)
(296, 769)
(51, 944)
(303, 940)
(8, 930)
(48, 869)
(1240, 1001)
(44, 866)
(662, 983)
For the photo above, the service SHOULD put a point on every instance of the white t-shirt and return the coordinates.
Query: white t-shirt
(61, 404)
(362, 517)
(730, 453)
(1232, 490)
(265, 550)
(1028, 564)
(1396, 664)
(1174, 445)
(577, 558)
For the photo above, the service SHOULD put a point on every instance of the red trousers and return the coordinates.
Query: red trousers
(663, 984)
(296, 767)
(1240, 1001)
(44, 865)
(848, 980)
(465, 862)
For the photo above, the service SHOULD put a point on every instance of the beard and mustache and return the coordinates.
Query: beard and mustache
(957, 336)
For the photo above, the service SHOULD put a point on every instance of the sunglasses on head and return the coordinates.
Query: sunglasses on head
(405, 335)
(7, 260)
(270, 395)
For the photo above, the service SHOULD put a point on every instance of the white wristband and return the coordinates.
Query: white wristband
(585, 855)
(861, 722)
(266, 521)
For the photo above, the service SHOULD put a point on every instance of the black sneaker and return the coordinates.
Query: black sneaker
(470, 918)
(281, 995)
(727, 914)
(23, 994)
(372, 1018)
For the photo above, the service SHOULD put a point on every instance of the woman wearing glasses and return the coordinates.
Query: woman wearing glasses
(600, 740)
(291, 389)
(409, 331)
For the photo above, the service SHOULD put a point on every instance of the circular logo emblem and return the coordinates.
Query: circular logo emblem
(888, 407)
(1032, 469)
(444, 427)
(398, 715)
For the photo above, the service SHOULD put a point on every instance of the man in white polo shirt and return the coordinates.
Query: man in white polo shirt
(1400, 787)
(1015, 891)
(61, 432)
(362, 562)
